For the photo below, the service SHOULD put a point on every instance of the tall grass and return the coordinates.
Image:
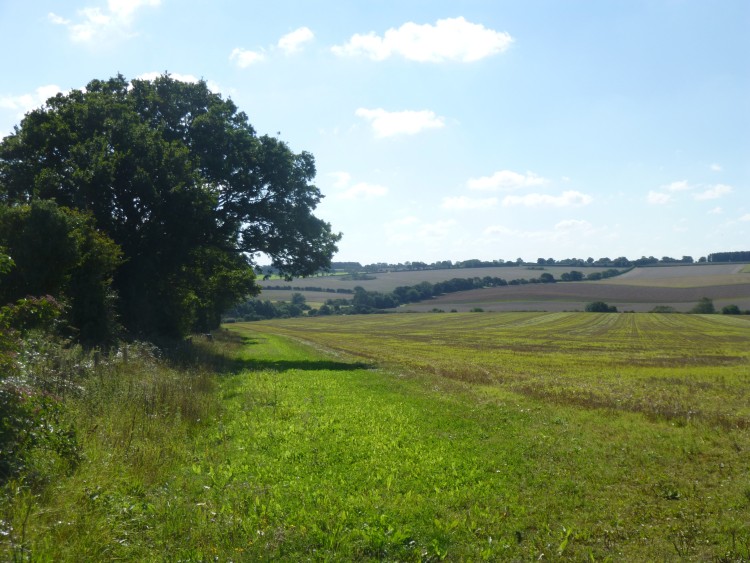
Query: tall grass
(122, 422)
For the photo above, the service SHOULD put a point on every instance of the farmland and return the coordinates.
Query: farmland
(519, 435)
(640, 289)
(414, 437)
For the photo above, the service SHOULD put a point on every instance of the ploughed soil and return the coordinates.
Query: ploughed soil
(574, 295)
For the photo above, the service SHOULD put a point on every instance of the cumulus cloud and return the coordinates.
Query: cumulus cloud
(714, 192)
(24, 103)
(389, 123)
(463, 202)
(658, 198)
(341, 179)
(363, 190)
(292, 42)
(566, 199)
(563, 230)
(680, 186)
(506, 180)
(573, 225)
(97, 25)
(412, 229)
(451, 39)
(358, 191)
(244, 58)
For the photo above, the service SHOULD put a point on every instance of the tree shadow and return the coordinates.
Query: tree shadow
(235, 365)
(195, 353)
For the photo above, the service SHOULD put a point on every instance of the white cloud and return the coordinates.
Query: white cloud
(463, 202)
(680, 186)
(566, 199)
(658, 198)
(390, 123)
(506, 180)
(412, 229)
(714, 192)
(292, 42)
(745, 217)
(97, 25)
(716, 167)
(716, 211)
(563, 230)
(573, 226)
(363, 190)
(245, 58)
(341, 179)
(26, 102)
(451, 39)
(359, 191)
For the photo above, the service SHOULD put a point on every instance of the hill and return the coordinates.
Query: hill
(640, 289)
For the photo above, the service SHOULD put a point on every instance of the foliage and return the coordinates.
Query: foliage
(84, 434)
(256, 309)
(58, 252)
(704, 307)
(178, 179)
(34, 433)
(663, 309)
(600, 307)
(730, 310)
(737, 256)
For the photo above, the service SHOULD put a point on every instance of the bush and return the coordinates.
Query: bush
(600, 307)
(663, 309)
(730, 310)
(704, 307)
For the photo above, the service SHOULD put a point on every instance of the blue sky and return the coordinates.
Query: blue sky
(448, 130)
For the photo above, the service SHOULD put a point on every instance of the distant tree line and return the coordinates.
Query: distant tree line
(308, 288)
(619, 262)
(739, 256)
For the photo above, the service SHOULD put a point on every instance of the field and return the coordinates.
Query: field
(414, 437)
(640, 289)
(587, 436)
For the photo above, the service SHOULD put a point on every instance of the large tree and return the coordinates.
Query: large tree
(180, 180)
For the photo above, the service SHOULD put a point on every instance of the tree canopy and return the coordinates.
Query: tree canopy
(177, 177)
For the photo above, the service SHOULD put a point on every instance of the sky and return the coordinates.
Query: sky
(451, 129)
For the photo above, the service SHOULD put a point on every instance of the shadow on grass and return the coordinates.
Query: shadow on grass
(219, 355)
(249, 364)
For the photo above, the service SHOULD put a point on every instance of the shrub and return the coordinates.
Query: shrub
(663, 309)
(704, 307)
(600, 307)
(730, 310)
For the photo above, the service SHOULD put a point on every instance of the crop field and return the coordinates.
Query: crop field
(388, 281)
(650, 363)
(696, 275)
(575, 295)
(639, 290)
(514, 435)
(422, 437)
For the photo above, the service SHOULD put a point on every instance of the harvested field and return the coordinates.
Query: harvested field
(575, 295)
(695, 275)
(388, 281)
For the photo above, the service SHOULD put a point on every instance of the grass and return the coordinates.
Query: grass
(415, 438)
